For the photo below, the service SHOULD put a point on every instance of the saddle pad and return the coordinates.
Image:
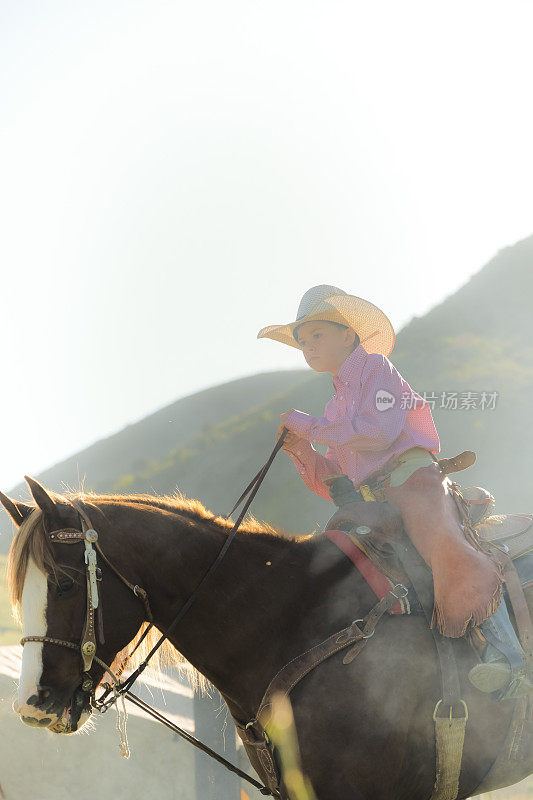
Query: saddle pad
(377, 581)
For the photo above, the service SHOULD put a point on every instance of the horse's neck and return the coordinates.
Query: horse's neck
(252, 615)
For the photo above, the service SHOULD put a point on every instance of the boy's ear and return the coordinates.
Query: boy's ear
(351, 337)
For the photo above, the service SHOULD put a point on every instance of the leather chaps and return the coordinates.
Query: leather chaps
(467, 581)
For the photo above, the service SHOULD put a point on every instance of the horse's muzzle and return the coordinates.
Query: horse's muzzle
(55, 711)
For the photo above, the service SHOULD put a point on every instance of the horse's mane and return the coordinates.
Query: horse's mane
(192, 508)
(32, 542)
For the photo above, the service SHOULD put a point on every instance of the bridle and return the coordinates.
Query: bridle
(87, 646)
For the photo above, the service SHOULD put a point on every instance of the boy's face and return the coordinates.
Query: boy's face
(325, 345)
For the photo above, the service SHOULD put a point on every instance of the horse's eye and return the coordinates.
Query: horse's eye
(63, 585)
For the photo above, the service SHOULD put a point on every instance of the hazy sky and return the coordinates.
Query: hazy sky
(174, 175)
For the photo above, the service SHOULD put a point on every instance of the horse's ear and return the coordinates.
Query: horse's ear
(41, 496)
(17, 511)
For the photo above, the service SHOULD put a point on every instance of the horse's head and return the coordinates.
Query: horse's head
(49, 590)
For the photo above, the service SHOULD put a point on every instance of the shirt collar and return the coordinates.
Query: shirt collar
(350, 369)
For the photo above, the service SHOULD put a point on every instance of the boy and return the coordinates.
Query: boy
(376, 425)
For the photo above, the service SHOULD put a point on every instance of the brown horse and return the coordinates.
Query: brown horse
(365, 729)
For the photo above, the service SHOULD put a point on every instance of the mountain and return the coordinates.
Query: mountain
(210, 444)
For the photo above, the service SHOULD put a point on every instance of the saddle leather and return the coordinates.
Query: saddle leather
(457, 463)
(380, 518)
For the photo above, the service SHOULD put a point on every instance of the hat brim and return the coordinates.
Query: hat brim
(371, 324)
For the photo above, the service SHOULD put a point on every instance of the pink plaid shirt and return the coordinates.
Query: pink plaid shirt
(373, 415)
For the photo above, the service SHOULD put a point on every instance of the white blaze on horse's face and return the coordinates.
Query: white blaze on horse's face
(34, 597)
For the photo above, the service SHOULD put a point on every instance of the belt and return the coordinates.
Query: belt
(374, 491)
(373, 488)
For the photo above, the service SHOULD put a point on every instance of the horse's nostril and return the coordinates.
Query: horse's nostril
(44, 693)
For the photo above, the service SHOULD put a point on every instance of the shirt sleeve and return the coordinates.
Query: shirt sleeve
(374, 425)
(313, 467)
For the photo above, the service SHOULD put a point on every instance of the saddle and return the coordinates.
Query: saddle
(375, 527)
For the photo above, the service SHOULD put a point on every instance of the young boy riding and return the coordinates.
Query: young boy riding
(376, 426)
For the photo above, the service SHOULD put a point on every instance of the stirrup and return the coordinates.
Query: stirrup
(497, 676)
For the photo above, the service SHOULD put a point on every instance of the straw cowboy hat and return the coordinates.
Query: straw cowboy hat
(331, 304)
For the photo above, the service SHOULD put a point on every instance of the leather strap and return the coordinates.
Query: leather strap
(372, 619)
(520, 609)
(512, 656)
(421, 579)
(88, 636)
(255, 738)
(449, 729)
(137, 590)
(457, 463)
(518, 602)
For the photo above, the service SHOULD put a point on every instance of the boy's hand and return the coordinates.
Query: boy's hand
(291, 439)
